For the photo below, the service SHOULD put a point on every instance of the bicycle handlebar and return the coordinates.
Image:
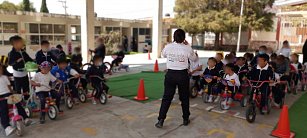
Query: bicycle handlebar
(96, 76)
(261, 83)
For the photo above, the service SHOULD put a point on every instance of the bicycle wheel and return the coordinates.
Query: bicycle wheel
(53, 112)
(107, 66)
(251, 114)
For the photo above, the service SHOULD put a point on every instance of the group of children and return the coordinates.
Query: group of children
(51, 69)
(264, 66)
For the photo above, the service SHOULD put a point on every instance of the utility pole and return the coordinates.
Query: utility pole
(240, 26)
(64, 6)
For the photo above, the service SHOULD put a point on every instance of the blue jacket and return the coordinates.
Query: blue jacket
(62, 75)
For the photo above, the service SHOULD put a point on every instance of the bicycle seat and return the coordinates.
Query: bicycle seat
(14, 99)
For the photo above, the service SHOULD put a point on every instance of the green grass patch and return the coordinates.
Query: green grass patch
(298, 117)
(127, 86)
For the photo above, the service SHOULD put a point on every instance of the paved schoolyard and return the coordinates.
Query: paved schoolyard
(129, 119)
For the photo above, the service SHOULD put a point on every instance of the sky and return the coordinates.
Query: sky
(125, 9)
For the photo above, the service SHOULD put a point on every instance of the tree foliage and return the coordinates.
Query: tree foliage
(44, 7)
(199, 16)
(8, 6)
(26, 5)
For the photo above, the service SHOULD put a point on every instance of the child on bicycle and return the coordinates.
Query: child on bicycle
(5, 91)
(41, 81)
(118, 58)
(214, 73)
(76, 64)
(262, 72)
(233, 81)
(296, 74)
(62, 72)
(195, 70)
(97, 70)
(17, 58)
(278, 88)
(219, 64)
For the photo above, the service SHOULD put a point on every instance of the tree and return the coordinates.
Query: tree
(44, 8)
(26, 5)
(8, 6)
(22, 6)
(218, 16)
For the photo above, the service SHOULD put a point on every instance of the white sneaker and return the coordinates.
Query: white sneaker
(275, 104)
(200, 92)
(94, 101)
(229, 101)
(217, 99)
(28, 122)
(210, 99)
(9, 130)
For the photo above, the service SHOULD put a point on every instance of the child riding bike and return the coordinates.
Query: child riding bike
(212, 71)
(62, 72)
(195, 71)
(6, 91)
(262, 72)
(233, 81)
(41, 80)
(97, 70)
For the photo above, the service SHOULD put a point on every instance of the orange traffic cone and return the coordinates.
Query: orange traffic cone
(283, 128)
(156, 68)
(141, 92)
(149, 58)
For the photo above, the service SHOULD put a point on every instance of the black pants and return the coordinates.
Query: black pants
(82, 81)
(99, 88)
(265, 92)
(116, 62)
(210, 85)
(174, 79)
(278, 93)
(22, 84)
(42, 97)
(4, 111)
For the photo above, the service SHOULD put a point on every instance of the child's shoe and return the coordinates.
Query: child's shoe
(217, 99)
(9, 130)
(42, 120)
(76, 101)
(28, 122)
(94, 101)
(210, 99)
(200, 92)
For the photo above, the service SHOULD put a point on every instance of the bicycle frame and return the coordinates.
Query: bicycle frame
(256, 92)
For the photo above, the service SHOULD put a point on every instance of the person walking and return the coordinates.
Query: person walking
(177, 53)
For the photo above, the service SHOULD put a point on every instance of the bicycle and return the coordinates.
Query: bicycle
(51, 108)
(107, 65)
(16, 120)
(256, 100)
(103, 99)
(214, 88)
(227, 94)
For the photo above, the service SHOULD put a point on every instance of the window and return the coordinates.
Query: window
(46, 37)
(32, 39)
(6, 38)
(1, 39)
(0, 29)
(97, 30)
(33, 28)
(75, 29)
(46, 28)
(116, 29)
(10, 28)
(147, 31)
(75, 37)
(109, 29)
(59, 39)
(141, 31)
(59, 29)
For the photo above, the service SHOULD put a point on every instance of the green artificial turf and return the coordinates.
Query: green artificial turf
(298, 117)
(127, 86)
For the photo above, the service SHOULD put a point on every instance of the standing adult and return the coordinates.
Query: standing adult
(304, 51)
(125, 43)
(177, 53)
(285, 50)
(100, 50)
(62, 53)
